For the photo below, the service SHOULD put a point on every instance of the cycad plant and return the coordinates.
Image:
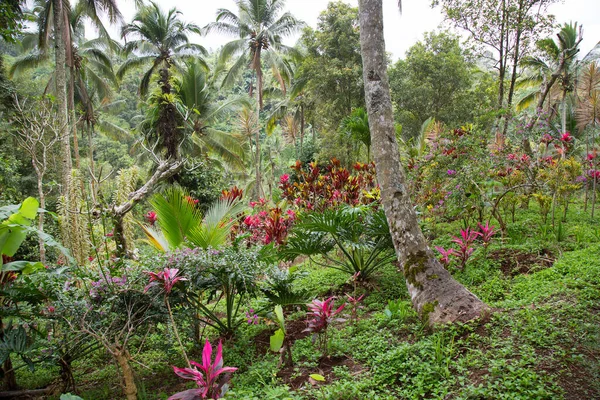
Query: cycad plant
(180, 221)
(360, 234)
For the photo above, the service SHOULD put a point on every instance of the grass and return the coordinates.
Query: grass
(542, 341)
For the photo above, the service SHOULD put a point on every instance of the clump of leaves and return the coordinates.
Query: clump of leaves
(211, 376)
(279, 287)
(279, 341)
(321, 314)
(360, 233)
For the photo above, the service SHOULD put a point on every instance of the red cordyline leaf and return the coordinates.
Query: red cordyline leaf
(205, 375)
(322, 313)
(355, 300)
(166, 278)
(486, 232)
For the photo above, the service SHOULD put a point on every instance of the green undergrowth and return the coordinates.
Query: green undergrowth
(541, 342)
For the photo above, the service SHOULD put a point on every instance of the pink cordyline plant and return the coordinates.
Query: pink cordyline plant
(445, 260)
(166, 278)
(464, 242)
(321, 314)
(355, 305)
(486, 232)
(210, 376)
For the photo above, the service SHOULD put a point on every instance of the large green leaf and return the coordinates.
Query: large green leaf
(276, 341)
(29, 208)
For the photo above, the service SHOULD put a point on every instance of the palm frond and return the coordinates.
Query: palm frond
(177, 215)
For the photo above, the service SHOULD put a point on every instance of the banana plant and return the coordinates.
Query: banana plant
(17, 221)
(179, 221)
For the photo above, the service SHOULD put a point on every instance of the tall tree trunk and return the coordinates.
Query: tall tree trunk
(73, 116)
(42, 196)
(301, 128)
(259, 84)
(435, 294)
(61, 96)
(90, 132)
(257, 167)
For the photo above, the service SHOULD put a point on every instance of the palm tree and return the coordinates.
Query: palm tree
(86, 60)
(558, 63)
(181, 221)
(587, 113)
(292, 111)
(160, 40)
(259, 29)
(202, 113)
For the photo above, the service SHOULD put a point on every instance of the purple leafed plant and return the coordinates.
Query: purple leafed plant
(355, 305)
(464, 242)
(321, 314)
(210, 376)
(486, 232)
(445, 260)
(166, 278)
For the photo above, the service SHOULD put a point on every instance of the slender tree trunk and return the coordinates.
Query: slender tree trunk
(122, 357)
(301, 128)
(90, 132)
(73, 116)
(435, 294)
(563, 115)
(258, 155)
(41, 195)
(61, 97)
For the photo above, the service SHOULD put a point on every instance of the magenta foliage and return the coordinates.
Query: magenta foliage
(445, 255)
(205, 375)
(464, 242)
(486, 232)
(355, 300)
(251, 317)
(166, 278)
(322, 314)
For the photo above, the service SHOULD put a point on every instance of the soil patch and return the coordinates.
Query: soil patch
(297, 377)
(518, 262)
(294, 331)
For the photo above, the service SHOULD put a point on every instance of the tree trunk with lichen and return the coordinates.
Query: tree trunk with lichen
(435, 294)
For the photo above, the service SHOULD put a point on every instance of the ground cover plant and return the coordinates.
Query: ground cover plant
(267, 221)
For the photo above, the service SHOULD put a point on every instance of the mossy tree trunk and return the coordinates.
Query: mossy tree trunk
(437, 296)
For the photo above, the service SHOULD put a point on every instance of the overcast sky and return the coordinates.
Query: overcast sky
(401, 31)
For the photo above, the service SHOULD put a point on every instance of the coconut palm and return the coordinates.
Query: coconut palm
(202, 113)
(87, 61)
(259, 30)
(158, 40)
